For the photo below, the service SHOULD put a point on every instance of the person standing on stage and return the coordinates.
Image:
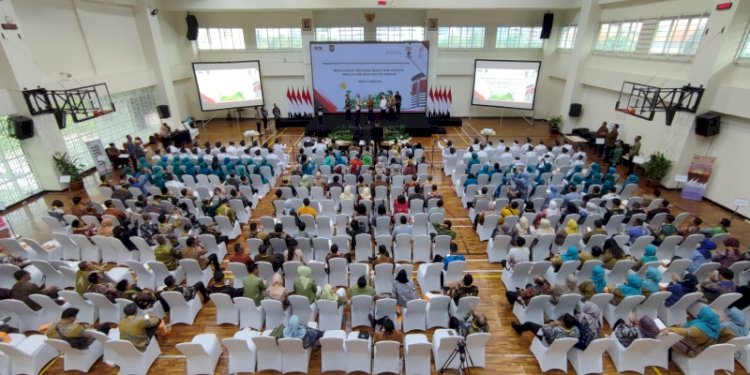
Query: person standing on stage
(391, 106)
(264, 114)
(276, 114)
(370, 108)
(397, 99)
(348, 107)
(358, 107)
(383, 106)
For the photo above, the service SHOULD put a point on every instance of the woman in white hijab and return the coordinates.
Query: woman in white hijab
(347, 195)
(365, 194)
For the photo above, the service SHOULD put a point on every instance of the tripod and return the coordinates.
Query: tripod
(464, 358)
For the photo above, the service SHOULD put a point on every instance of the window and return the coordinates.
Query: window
(135, 115)
(678, 36)
(567, 37)
(214, 38)
(518, 37)
(399, 33)
(618, 37)
(461, 37)
(340, 34)
(17, 182)
(745, 52)
(278, 38)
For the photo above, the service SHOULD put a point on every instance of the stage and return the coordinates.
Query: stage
(416, 124)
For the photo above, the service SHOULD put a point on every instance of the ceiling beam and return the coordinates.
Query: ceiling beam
(235, 5)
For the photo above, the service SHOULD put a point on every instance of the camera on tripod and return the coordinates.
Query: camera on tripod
(464, 358)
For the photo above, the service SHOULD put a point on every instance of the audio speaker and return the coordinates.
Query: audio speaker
(547, 25)
(20, 127)
(192, 27)
(163, 111)
(575, 110)
(707, 124)
(61, 118)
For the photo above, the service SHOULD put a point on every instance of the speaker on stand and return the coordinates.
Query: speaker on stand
(192, 27)
(547, 25)
(707, 124)
(163, 111)
(575, 110)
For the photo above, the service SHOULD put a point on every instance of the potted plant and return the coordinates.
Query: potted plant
(656, 168)
(68, 166)
(554, 123)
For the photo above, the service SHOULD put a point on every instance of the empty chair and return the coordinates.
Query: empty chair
(78, 359)
(358, 353)
(274, 313)
(50, 310)
(226, 311)
(444, 342)
(384, 278)
(87, 312)
(53, 277)
(650, 306)
(268, 353)
(533, 312)
(194, 273)
(476, 345)
(129, 359)
(438, 311)
(464, 305)
(421, 248)
(715, 357)
(296, 357)
(667, 247)
(387, 357)
(414, 315)
(555, 356)
(209, 243)
(363, 247)
(108, 312)
(590, 360)
(485, 230)
(567, 268)
(201, 353)
(333, 351)
(145, 278)
(417, 354)
(619, 272)
(145, 251)
(428, 277)
(302, 307)
(497, 248)
(227, 228)
(30, 356)
(250, 314)
(454, 273)
(516, 277)
(613, 313)
(686, 247)
(330, 315)
(181, 311)
(239, 271)
(565, 305)
(71, 249)
(721, 303)
(362, 306)
(338, 272)
(108, 251)
(240, 351)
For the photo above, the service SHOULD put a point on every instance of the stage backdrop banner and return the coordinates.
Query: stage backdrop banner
(99, 154)
(369, 69)
(698, 175)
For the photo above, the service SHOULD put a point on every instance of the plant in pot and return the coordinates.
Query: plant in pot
(554, 123)
(68, 166)
(656, 168)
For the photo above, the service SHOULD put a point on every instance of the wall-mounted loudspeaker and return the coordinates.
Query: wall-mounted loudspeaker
(192, 27)
(547, 25)
(575, 110)
(20, 127)
(163, 111)
(707, 124)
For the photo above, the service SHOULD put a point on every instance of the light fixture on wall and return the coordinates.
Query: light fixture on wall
(155, 12)
(369, 17)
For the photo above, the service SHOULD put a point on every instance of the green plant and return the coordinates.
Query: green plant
(68, 166)
(341, 134)
(657, 166)
(395, 133)
(554, 122)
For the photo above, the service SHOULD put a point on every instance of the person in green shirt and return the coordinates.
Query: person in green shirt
(163, 252)
(362, 289)
(304, 285)
(137, 330)
(444, 229)
(252, 285)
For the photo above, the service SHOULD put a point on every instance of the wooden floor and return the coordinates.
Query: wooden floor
(506, 352)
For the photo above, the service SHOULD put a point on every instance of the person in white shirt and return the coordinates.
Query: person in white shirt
(562, 155)
(518, 253)
(507, 157)
(501, 145)
(579, 154)
(541, 147)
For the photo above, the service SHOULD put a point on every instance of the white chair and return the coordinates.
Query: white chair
(454, 273)
(476, 346)
(667, 247)
(706, 268)
(250, 314)
(516, 278)
(634, 357)
(145, 278)
(677, 313)
(414, 315)
(108, 252)
(243, 214)
(438, 311)
(650, 306)
(386, 307)
(678, 266)
(688, 245)
(181, 311)
(161, 272)
(417, 354)
(428, 277)
(590, 360)
(384, 278)
(441, 245)
(567, 268)
(194, 273)
(465, 304)
(87, 311)
(227, 228)
(330, 315)
(613, 313)
(497, 248)
(241, 351)
(209, 243)
(387, 358)
(268, 353)
(290, 273)
(565, 305)
(333, 351)
(555, 356)
(721, 303)
(129, 359)
(338, 272)
(301, 306)
(742, 345)
(358, 353)
(71, 249)
(421, 248)
(619, 272)
(296, 357)
(202, 353)
(226, 311)
(715, 357)
(443, 344)
(534, 312)
(239, 272)
(363, 247)
(30, 356)
(122, 253)
(78, 359)
(357, 270)
(361, 308)
(275, 314)
(485, 230)
(53, 276)
(50, 310)
(108, 312)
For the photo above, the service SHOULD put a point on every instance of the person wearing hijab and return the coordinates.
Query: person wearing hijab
(304, 285)
(293, 329)
(632, 287)
(365, 194)
(106, 229)
(571, 227)
(277, 291)
(627, 332)
(649, 255)
(590, 315)
(701, 255)
(730, 254)
(559, 290)
(596, 285)
(523, 227)
(328, 294)
(565, 326)
(651, 282)
(545, 227)
(571, 254)
(613, 253)
(699, 333)
(680, 287)
(733, 325)
(403, 289)
(347, 195)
